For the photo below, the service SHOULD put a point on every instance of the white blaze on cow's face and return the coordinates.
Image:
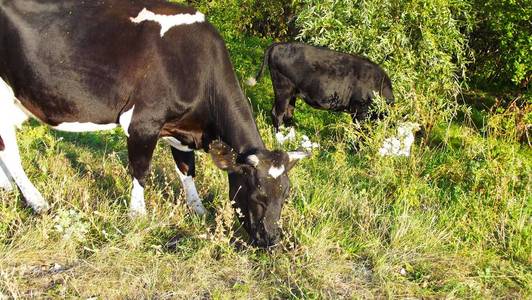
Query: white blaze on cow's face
(168, 21)
(276, 171)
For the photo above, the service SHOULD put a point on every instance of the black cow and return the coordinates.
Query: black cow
(159, 70)
(325, 79)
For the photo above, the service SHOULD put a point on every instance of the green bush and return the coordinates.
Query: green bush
(422, 44)
(502, 42)
(273, 19)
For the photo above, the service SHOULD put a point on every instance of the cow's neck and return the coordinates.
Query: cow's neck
(234, 124)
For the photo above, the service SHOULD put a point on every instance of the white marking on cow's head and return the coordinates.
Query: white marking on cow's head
(253, 160)
(168, 21)
(276, 171)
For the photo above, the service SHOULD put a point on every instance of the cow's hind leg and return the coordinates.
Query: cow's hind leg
(6, 181)
(186, 170)
(284, 96)
(10, 162)
(140, 145)
(289, 115)
(5, 178)
(11, 166)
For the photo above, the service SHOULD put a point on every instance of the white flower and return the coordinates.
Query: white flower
(402, 143)
(308, 144)
(283, 138)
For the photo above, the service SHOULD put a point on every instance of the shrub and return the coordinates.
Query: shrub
(422, 44)
(502, 42)
(272, 19)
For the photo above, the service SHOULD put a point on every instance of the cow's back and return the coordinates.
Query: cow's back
(329, 79)
(89, 58)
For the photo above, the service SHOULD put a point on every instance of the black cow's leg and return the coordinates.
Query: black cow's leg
(140, 146)
(289, 116)
(360, 113)
(284, 93)
(186, 170)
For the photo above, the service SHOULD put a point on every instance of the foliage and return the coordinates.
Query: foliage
(502, 41)
(273, 19)
(422, 44)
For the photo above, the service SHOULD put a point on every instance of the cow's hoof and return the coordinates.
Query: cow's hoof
(6, 186)
(40, 207)
(197, 206)
(138, 212)
(5, 183)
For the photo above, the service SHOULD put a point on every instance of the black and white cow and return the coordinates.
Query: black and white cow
(325, 79)
(156, 69)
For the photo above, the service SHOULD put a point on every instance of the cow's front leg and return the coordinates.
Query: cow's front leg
(140, 146)
(11, 166)
(186, 170)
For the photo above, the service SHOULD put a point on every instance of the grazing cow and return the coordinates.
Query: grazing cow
(325, 79)
(156, 69)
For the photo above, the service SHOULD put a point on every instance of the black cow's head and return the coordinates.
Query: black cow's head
(259, 185)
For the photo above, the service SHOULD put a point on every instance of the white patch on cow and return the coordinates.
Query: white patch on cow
(137, 206)
(401, 144)
(253, 160)
(83, 127)
(191, 193)
(276, 171)
(176, 144)
(11, 110)
(11, 116)
(125, 120)
(168, 21)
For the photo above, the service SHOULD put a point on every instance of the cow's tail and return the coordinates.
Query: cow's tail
(2, 146)
(252, 81)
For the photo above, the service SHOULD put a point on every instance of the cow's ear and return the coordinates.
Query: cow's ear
(224, 156)
(295, 156)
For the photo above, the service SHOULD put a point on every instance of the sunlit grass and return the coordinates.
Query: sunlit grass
(451, 220)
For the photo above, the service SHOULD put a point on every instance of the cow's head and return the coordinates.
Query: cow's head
(259, 185)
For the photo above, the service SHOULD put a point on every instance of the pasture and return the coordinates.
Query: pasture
(452, 220)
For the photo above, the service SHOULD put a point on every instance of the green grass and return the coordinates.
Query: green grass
(452, 220)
